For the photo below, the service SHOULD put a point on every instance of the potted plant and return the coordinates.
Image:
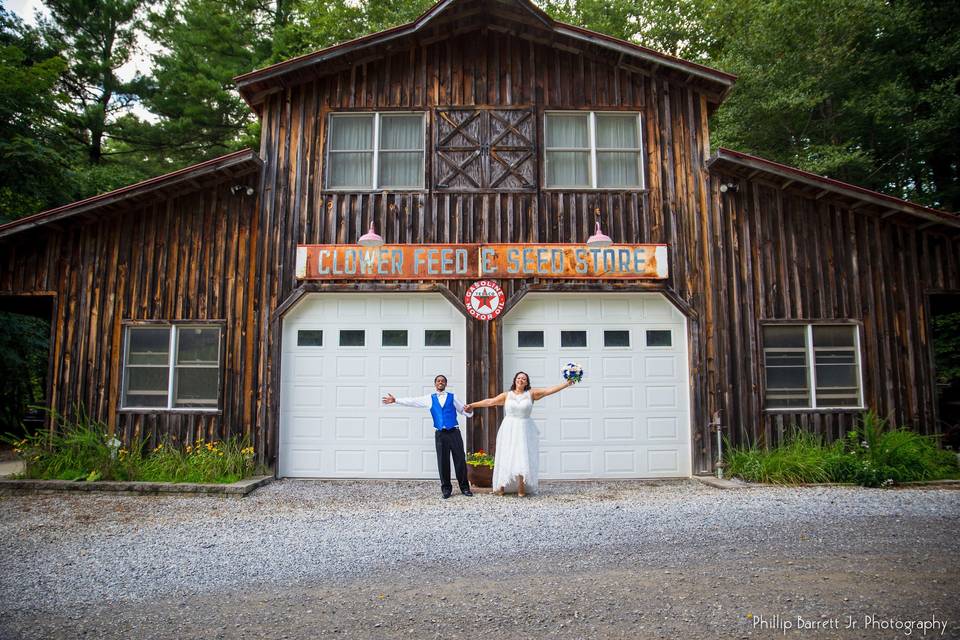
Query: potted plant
(480, 468)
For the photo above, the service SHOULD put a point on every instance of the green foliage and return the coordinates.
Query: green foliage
(316, 24)
(864, 91)
(946, 346)
(31, 146)
(873, 455)
(24, 349)
(206, 43)
(798, 460)
(80, 450)
(677, 27)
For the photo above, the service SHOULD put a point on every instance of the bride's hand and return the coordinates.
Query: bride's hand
(467, 408)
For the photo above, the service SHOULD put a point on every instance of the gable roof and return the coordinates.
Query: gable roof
(748, 166)
(232, 165)
(253, 86)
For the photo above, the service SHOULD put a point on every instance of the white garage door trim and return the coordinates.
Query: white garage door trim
(331, 422)
(630, 418)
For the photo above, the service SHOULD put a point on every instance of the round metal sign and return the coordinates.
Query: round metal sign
(484, 300)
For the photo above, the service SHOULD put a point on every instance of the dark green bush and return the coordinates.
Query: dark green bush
(872, 455)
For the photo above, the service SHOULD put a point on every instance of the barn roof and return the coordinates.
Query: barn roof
(816, 186)
(255, 85)
(191, 178)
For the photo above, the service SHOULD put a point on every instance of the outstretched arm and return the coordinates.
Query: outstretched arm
(422, 402)
(496, 401)
(549, 391)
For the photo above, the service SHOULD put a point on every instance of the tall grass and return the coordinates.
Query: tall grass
(80, 450)
(874, 454)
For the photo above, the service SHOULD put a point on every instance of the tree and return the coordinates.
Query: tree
(205, 44)
(32, 150)
(96, 38)
(316, 24)
(676, 27)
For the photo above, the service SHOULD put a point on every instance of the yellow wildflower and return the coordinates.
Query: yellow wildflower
(221, 453)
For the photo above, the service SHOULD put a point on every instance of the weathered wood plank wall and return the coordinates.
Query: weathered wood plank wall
(185, 258)
(780, 255)
(486, 68)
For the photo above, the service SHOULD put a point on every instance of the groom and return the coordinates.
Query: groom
(444, 409)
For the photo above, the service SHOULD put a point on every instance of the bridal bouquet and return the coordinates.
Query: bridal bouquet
(573, 372)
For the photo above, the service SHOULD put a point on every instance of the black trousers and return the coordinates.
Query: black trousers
(450, 442)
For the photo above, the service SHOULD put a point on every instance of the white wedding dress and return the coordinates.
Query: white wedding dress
(517, 446)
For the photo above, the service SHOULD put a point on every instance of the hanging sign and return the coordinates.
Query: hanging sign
(484, 300)
(470, 261)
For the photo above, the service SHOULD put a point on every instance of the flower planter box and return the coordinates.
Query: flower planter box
(480, 475)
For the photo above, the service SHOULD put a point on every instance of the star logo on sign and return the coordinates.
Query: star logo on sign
(484, 298)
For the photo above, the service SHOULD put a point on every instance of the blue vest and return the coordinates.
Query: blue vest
(444, 417)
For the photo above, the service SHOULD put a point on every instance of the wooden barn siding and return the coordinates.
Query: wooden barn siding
(187, 258)
(486, 68)
(781, 256)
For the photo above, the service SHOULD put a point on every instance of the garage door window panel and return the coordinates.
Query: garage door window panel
(310, 338)
(352, 338)
(573, 339)
(616, 339)
(436, 338)
(530, 339)
(393, 338)
(659, 338)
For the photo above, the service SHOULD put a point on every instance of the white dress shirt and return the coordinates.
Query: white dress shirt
(425, 402)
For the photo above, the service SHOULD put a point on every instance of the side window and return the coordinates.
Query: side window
(811, 366)
(368, 151)
(591, 150)
(172, 367)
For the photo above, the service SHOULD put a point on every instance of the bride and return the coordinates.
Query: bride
(516, 465)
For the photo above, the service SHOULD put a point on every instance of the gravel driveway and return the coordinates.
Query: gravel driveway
(307, 559)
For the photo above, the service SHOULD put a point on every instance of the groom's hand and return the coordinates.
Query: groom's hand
(389, 399)
(467, 408)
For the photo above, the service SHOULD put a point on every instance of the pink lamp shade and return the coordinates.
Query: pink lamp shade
(598, 239)
(370, 238)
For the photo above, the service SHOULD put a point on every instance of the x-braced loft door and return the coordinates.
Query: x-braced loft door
(480, 149)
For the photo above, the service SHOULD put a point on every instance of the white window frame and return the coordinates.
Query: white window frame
(174, 329)
(375, 173)
(592, 136)
(811, 364)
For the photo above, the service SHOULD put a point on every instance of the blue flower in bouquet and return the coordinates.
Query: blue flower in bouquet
(573, 372)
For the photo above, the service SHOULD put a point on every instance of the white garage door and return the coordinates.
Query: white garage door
(341, 355)
(629, 418)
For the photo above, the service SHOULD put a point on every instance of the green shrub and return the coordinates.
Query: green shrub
(798, 460)
(871, 455)
(80, 450)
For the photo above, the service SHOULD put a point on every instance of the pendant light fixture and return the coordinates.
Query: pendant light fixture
(370, 238)
(598, 239)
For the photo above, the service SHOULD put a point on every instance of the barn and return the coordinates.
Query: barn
(564, 175)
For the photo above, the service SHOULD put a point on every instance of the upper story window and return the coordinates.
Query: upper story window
(812, 366)
(375, 151)
(172, 367)
(590, 150)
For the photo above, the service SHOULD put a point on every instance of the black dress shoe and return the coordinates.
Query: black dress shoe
(467, 493)
(446, 494)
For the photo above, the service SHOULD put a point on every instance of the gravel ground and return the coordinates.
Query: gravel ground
(304, 559)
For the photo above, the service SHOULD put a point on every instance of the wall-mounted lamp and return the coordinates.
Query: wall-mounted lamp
(732, 187)
(598, 239)
(370, 238)
(239, 188)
